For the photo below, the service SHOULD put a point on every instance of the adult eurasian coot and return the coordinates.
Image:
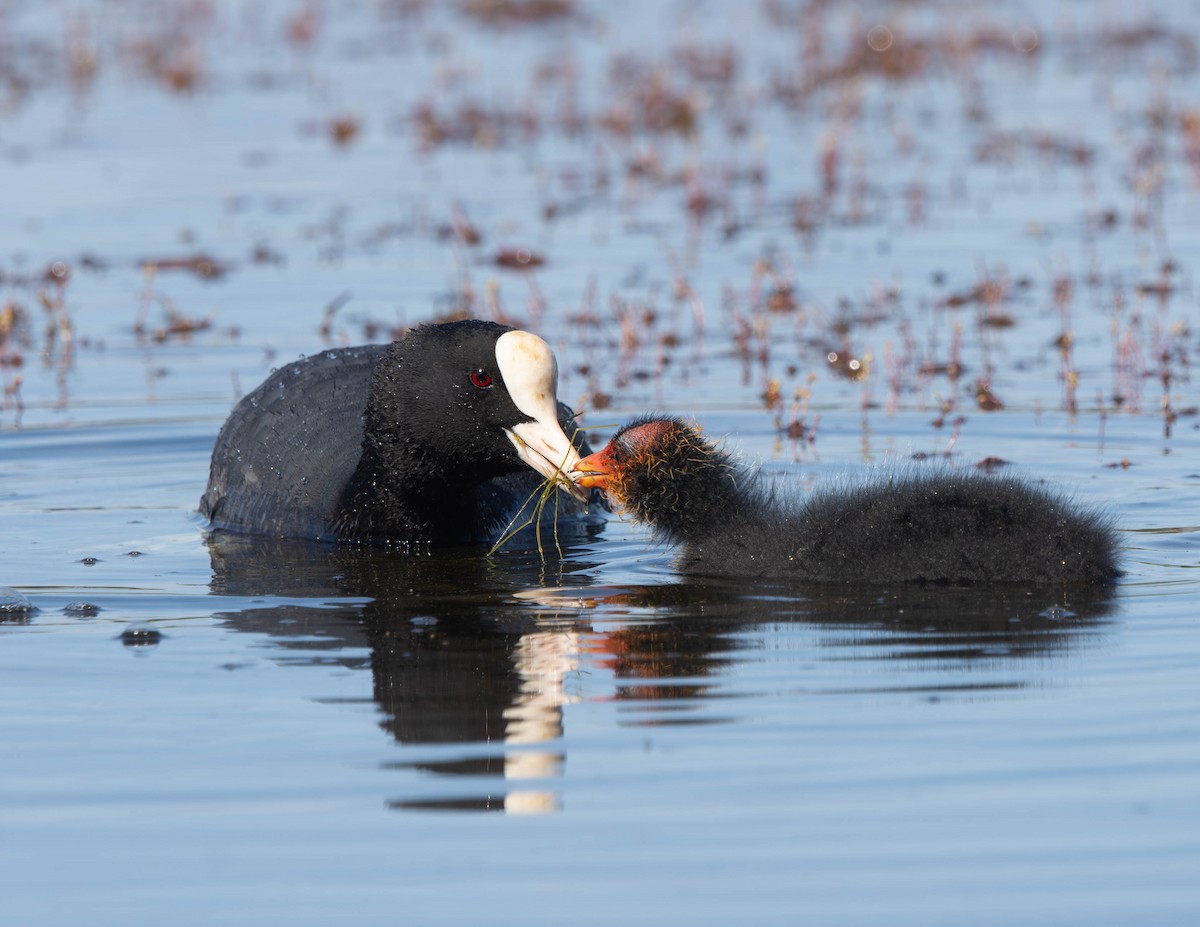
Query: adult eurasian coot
(954, 528)
(403, 442)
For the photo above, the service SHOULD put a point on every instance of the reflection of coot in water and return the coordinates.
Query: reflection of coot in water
(396, 443)
(701, 623)
(458, 660)
(948, 528)
(455, 661)
(445, 633)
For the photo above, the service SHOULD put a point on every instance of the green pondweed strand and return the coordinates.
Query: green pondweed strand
(538, 499)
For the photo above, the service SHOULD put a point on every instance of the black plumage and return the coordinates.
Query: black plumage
(945, 527)
(405, 442)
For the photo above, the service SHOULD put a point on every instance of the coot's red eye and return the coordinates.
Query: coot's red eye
(481, 378)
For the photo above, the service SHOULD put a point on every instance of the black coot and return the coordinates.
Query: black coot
(403, 442)
(953, 528)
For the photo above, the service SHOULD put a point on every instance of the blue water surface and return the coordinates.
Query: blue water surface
(846, 238)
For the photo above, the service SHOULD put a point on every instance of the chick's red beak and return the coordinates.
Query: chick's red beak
(594, 470)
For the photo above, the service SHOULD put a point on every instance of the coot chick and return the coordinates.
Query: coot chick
(398, 443)
(950, 528)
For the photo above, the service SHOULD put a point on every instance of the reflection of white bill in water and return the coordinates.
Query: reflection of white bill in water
(544, 661)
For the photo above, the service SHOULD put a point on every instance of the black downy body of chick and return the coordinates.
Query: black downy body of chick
(947, 527)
